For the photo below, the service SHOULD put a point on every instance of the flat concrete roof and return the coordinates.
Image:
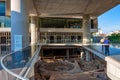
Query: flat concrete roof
(69, 8)
(72, 7)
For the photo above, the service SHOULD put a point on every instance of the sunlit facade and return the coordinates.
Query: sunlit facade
(53, 29)
(62, 30)
(5, 31)
(34, 29)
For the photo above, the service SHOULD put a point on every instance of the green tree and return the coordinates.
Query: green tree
(115, 38)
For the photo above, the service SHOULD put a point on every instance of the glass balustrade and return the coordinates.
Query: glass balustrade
(20, 64)
(114, 49)
(17, 63)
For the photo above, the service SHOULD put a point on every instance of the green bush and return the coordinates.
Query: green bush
(114, 38)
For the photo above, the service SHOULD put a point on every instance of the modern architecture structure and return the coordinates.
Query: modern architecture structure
(5, 40)
(64, 22)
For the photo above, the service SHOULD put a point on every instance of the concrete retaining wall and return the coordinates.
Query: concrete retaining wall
(113, 67)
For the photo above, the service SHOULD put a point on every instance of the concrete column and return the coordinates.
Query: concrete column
(37, 29)
(19, 22)
(55, 38)
(82, 55)
(67, 54)
(33, 26)
(7, 7)
(32, 50)
(87, 56)
(86, 29)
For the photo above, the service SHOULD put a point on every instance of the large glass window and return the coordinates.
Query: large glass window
(75, 23)
(3, 40)
(53, 22)
(60, 22)
(92, 24)
(4, 20)
(2, 8)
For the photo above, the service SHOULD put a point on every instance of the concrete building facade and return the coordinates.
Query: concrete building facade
(53, 21)
(73, 27)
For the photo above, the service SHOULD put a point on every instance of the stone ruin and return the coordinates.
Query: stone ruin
(69, 70)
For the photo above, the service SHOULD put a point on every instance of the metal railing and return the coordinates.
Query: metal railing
(18, 65)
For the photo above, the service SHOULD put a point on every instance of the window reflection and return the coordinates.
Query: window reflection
(2, 8)
(60, 23)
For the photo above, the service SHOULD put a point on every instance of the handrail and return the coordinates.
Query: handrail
(10, 72)
(30, 65)
(33, 61)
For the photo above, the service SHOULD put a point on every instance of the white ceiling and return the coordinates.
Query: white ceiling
(71, 7)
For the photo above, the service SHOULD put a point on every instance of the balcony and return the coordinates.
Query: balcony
(65, 30)
(61, 30)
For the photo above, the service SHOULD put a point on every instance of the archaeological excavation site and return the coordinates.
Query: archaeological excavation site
(69, 63)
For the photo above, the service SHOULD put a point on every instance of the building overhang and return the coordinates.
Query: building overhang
(68, 8)
(71, 8)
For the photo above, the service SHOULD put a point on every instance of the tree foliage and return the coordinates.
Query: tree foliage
(115, 38)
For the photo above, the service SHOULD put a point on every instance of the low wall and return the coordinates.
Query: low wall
(113, 67)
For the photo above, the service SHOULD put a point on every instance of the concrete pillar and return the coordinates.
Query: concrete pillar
(55, 38)
(7, 7)
(33, 26)
(82, 55)
(32, 50)
(86, 29)
(87, 56)
(67, 54)
(19, 22)
(37, 30)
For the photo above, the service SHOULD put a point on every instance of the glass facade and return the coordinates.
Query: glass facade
(60, 22)
(60, 37)
(53, 36)
(4, 20)
(2, 8)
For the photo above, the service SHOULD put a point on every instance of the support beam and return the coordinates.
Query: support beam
(7, 7)
(33, 26)
(86, 29)
(82, 55)
(19, 23)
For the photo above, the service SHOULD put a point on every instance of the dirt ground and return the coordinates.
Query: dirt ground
(90, 70)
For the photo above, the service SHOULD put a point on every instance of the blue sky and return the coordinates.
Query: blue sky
(110, 20)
